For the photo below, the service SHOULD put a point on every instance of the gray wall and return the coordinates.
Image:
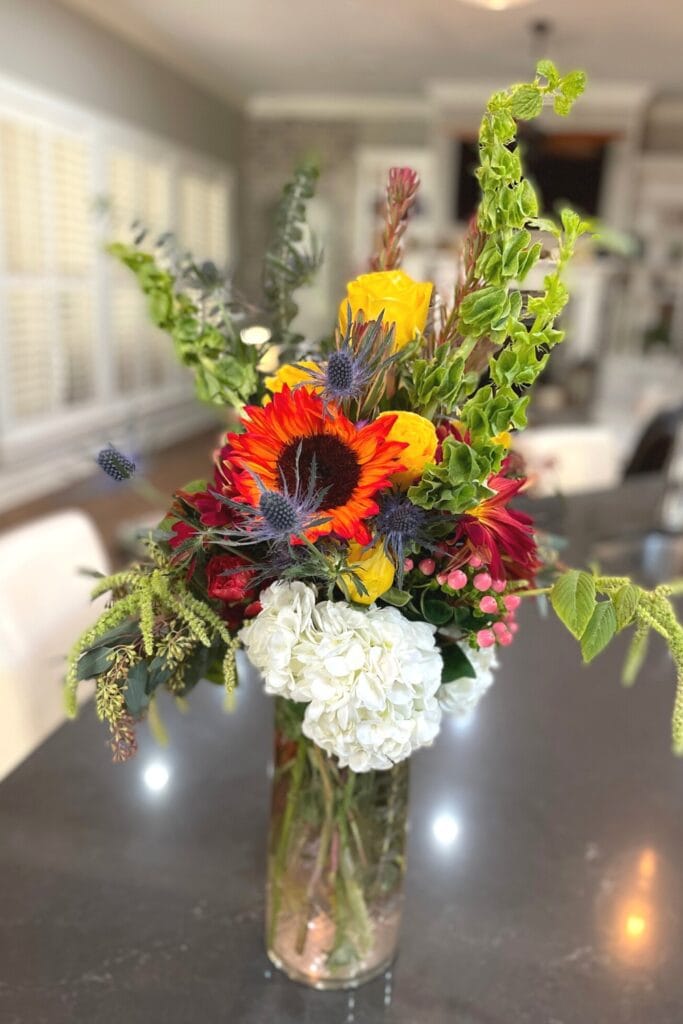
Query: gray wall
(51, 47)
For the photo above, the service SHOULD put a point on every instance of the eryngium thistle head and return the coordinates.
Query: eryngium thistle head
(279, 512)
(115, 464)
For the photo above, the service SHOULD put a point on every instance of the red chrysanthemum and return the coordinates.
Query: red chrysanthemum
(501, 536)
(295, 431)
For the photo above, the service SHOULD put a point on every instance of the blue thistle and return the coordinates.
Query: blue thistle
(115, 464)
(401, 525)
(363, 355)
(279, 515)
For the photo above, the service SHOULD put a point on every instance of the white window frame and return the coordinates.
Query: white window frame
(102, 134)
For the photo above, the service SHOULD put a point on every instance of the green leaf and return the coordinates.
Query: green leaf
(94, 662)
(435, 611)
(573, 598)
(625, 602)
(397, 597)
(135, 690)
(527, 102)
(456, 664)
(547, 69)
(601, 627)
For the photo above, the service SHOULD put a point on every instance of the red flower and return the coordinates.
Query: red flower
(502, 537)
(181, 531)
(230, 578)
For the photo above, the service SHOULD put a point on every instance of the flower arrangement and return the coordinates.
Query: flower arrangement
(356, 536)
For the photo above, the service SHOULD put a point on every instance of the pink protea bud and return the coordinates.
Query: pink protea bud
(482, 581)
(476, 562)
(403, 184)
(489, 605)
(408, 565)
(486, 638)
(498, 586)
(457, 579)
(427, 566)
(512, 602)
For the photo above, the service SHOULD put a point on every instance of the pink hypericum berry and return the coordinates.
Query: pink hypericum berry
(408, 565)
(489, 605)
(500, 629)
(482, 581)
(457, 579)
(512, 602)
(476, 562)
(486, 638)
(441, 578)
(505, 639)
(427, 566)
(498, 586)
(513, 627)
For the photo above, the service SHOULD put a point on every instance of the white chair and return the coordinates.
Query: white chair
(44, 605)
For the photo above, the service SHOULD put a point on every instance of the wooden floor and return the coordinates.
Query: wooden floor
(110, 504)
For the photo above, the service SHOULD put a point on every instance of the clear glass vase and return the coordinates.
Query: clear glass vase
(336, 862)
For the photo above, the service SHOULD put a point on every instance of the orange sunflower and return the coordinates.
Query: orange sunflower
(283, 440)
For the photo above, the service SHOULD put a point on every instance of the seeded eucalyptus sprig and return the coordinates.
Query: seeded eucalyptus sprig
(293, 256)
(196, 307)
(489, 309)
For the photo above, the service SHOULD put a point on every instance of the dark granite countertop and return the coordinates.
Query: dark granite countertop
(553, 896)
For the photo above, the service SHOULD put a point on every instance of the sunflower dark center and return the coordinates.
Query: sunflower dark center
(337, 470)
(340, 373)
(278, 512)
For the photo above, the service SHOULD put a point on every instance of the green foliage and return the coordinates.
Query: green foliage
(204, 332)
(433, 385)
(293, 257)
(594, 608)
(456, 664)
(573, 599)
(490, 312)
(155, 632)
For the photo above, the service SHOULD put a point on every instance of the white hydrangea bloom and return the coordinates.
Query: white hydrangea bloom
(461, 696)
(370, 677)
(271, 638)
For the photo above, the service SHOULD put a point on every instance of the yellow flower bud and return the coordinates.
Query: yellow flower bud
(420, 436)
(374, 569)
(405, 302)
(504, 439)
(291, 374)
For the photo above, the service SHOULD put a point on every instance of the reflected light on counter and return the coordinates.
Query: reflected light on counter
(156, 776)
(445, 829)
(635, 926)
(647, 865)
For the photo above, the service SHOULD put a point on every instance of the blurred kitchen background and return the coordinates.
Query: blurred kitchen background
(189, 117)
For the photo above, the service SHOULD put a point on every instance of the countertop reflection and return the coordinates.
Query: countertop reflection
(544, 864)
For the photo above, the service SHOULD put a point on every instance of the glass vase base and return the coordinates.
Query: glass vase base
(328, 983)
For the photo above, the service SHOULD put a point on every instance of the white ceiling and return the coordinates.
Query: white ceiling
(241, 49)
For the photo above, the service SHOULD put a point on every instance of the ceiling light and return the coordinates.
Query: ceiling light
(498, 5)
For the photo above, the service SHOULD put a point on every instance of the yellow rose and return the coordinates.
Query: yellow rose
(290, 374)
(404, 302)
(420, 436)
(374, 569)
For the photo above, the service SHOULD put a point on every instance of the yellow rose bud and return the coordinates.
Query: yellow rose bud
(404, 302)
(290, 374)
(373, 568)
(420, 436)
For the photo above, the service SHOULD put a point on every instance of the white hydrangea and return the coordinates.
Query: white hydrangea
(370, 677)
(461, 696)
(271, 638)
